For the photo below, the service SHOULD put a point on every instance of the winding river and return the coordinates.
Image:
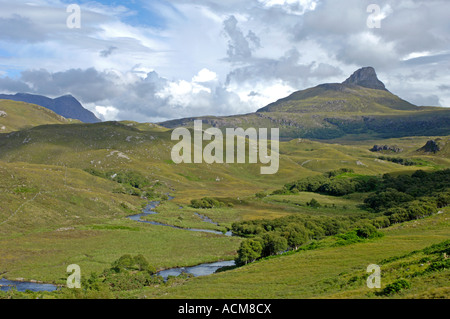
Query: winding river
(199, 270)
(148, 210)
(22, 286)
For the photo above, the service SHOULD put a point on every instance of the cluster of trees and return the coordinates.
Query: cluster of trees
(409, 197)
(395, 199)
(207, 202)
(270, 237)
(332, 184)
(398, 160)
(418, 184)
(400, 198)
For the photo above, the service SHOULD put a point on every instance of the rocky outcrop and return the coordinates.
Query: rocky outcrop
(431, 146)
(365, 77)
(379, 148)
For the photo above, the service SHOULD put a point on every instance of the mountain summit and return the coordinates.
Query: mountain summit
(362, 92)
(365, 77)
(359, 105)
(66, 105)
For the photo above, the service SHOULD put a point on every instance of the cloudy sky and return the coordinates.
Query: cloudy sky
(157, 60)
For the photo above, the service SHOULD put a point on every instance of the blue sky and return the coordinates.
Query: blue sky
(158, 60)
(141, 13)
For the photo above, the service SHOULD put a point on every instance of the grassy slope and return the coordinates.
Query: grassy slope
(115, 146)
(325, 272)
(51, 218)
(340, 98)
(22, 115)
(35, 249)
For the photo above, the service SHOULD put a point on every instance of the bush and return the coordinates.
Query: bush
(338, 172)
(313, 203)
(348, 238)
(127, 262)
(206, 202)
(367, 230)
(260, 195)
(395, 287)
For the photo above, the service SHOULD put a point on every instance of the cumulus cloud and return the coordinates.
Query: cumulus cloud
(114, 95)
(240, 47)
(163, 61)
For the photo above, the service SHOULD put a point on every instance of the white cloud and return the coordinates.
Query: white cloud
(297, 7)
(106, 113)
(205, 75)
(249, 53)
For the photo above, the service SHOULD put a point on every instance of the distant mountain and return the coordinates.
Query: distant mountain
(359, 107)
(361, 92)
(66, 106)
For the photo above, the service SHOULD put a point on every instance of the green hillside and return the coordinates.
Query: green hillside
(358, 106)
(66, 190)
(15, 116)
(340, 98)
(335, 272)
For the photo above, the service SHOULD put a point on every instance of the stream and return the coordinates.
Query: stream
(148, 210)
(199, 270)
(6, 285)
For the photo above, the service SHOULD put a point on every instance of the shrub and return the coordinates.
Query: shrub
(313, 203)
(206, 202)
(260, 195)
(367, 230)
(395, 287)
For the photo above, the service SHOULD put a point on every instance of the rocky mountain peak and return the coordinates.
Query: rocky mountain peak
(365, 77)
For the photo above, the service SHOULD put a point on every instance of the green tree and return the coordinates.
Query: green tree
(249, 251)
(274, 243)
(296, 235)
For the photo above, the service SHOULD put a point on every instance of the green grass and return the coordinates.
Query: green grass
(53, 213)
(45, 255)
(21, 115)
(325, 272)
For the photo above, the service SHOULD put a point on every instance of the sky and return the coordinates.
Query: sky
(150, 61)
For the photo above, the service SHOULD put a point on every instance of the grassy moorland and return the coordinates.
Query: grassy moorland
(334, 272)
(66, 190)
